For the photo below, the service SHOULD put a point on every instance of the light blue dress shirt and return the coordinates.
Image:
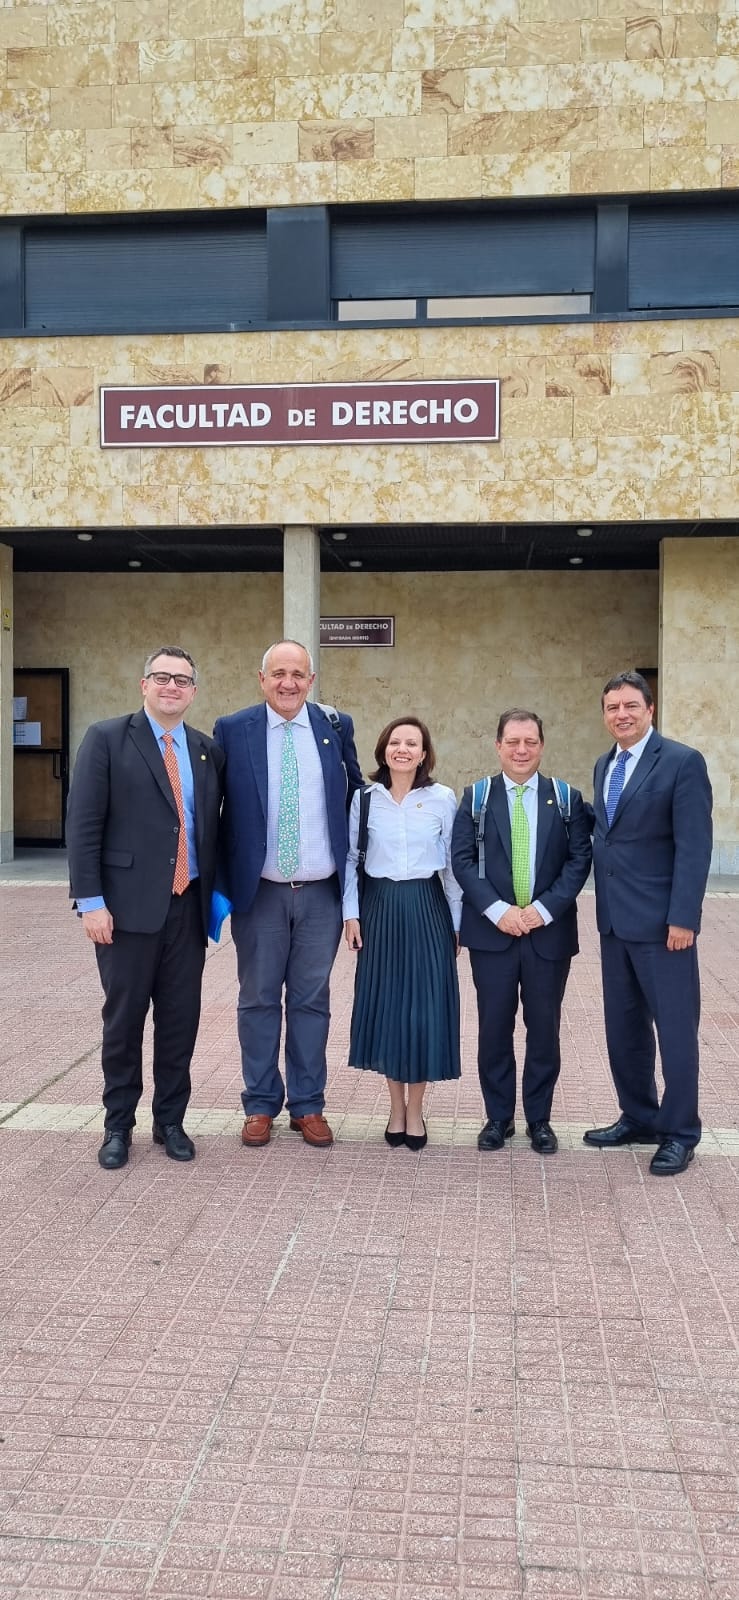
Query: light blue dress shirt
(530, 800)
(179, 745)
(635, 751)
(316, 856)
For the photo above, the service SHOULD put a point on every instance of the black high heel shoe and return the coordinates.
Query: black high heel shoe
(394, 1139)
(416, 1141)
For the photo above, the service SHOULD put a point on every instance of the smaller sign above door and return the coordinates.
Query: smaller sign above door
(378, 632)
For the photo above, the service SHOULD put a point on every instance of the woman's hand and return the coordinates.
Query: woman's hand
(352, 934)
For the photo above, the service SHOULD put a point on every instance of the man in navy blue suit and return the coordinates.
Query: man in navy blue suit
(651, 852)
(291, 771)
(519, 921)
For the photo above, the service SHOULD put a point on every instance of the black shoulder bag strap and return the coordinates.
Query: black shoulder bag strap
(365, 795)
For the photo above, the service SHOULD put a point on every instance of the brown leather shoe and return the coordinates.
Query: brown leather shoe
(256, 1130)
(315, 1129)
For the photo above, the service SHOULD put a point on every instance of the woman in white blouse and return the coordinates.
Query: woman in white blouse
(405, 1020)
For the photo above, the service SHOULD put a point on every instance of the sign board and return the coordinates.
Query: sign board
(306, 413)
(379, 632)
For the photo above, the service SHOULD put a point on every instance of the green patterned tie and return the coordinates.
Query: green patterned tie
(288, 816)
(520, 849)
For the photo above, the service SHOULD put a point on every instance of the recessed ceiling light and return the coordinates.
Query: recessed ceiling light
(584, 533)
(84, 538)
(134, 563)
(575, 561)
(355, 563)
(339, 537)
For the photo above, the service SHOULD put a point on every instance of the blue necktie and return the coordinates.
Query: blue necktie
(616, 784)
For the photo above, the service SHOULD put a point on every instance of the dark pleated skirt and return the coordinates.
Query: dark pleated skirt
(405, 1021)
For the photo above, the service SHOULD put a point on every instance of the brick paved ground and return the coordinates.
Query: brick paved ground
(362, 1374)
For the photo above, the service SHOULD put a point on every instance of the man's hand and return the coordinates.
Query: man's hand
(352, 934)
(98, 926)
(512, 922)
(680, 938)
(531, 918)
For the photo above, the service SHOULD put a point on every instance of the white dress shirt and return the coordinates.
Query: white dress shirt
(635, 751)
(410, 838)
(530, 798)
(316, 859)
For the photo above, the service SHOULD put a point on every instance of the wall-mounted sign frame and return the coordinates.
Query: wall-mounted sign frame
(197, 415)
(358, 632)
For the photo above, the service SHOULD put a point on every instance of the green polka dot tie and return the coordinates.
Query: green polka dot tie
(288, 816)
(520, 858)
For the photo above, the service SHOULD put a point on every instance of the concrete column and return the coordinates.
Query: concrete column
(6, 703)
(301, 595)
(699, 663)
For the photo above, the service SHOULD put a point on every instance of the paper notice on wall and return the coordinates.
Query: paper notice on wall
(20, 707)
(26, 733)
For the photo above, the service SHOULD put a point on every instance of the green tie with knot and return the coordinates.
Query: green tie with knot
(520, 847)
(288, 816)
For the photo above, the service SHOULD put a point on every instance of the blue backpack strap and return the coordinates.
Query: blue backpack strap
(480, 794)
(562, 792)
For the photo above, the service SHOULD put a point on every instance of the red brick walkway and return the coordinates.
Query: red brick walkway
(361, 1374)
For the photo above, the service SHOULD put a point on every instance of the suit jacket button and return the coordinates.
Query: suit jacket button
(172, 861)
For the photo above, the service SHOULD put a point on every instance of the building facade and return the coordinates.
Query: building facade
(208, 193)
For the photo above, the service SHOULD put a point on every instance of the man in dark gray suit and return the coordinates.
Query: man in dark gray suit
(141, 834)
(520, 922)
(651, 853)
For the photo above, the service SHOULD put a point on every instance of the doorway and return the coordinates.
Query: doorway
(40, 755)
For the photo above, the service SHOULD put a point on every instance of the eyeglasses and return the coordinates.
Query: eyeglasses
(177, 678)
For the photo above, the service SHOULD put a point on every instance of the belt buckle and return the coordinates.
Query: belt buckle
(294, 885)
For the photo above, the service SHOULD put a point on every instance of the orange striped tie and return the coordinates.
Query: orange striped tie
(181, 869)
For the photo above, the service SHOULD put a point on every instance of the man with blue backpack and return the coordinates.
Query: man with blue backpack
(521, 852)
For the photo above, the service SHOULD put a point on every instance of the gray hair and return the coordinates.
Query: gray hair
(170, 650)
(297, 643)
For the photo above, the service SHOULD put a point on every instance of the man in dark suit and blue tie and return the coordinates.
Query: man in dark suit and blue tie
(142, 828)
(651, 853)
(291, 771)
(519, 921)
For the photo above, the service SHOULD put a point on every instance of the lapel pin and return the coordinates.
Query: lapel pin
(205, 758)
(327, 741)
(550, 802)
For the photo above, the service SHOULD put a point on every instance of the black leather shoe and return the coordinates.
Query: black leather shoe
(113, 1151)
(672, 1157)
(416, 1141)
(175, 1141)
(543, 1138)
(395, 1140)
(494, 1134)
(620, 1132)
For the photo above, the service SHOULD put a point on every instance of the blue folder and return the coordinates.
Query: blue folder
(220, 908)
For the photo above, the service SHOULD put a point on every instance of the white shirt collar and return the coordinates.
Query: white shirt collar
(274, 720)
(531, 783)
(635, 750)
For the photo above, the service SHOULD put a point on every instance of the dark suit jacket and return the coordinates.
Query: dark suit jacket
(651, 865)
(122, 821)
(562, 866)
(243, 738)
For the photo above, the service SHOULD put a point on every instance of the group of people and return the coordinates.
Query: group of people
(271, 818)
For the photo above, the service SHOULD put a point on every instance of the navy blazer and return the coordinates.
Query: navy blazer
(651, 865)
(122, 821)
(243, 849)
(562, 867)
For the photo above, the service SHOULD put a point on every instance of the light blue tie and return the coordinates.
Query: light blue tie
(618, 778)
(288, 815)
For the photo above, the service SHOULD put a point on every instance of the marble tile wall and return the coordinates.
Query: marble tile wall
(458, 661)
(699, 599)
(165, 104)
(614, 422)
